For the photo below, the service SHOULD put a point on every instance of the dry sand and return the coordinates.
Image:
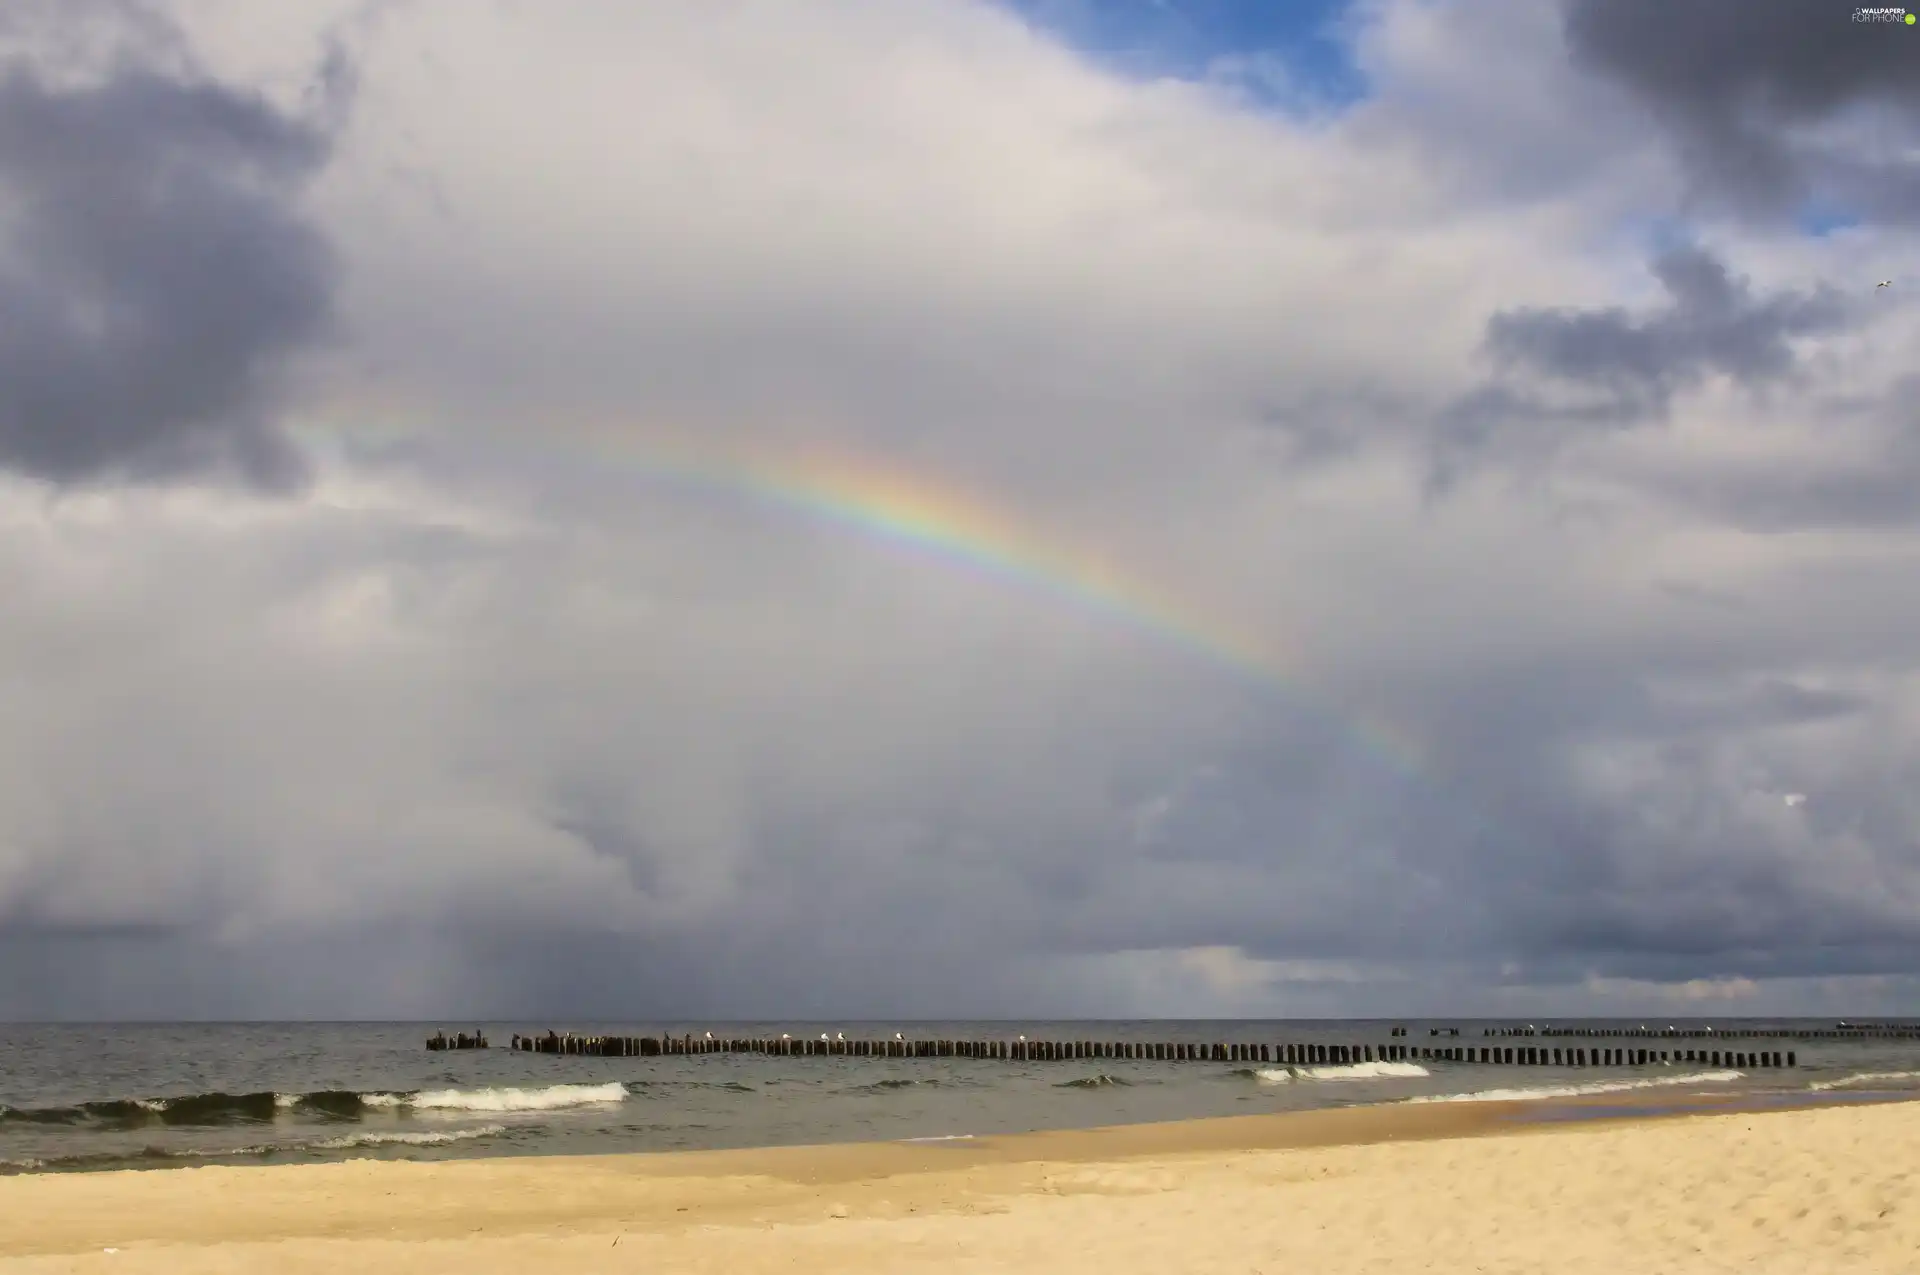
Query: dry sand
(1442, 1188)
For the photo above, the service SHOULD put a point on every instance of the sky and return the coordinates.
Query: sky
(940, 508)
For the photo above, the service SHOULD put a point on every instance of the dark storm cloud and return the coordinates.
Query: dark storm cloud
(1885, 497)
(1505, 852)
(1787, 703)
(1566, 370)
(1713, 323)
(154, 273)
(1497, 853)
(1732, 81)
(1874, 487)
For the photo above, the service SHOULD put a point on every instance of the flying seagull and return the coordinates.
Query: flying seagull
(1884, 283)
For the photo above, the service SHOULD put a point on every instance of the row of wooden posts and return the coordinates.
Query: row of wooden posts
(440, 1040)
(646, 1046)
(1022, 1050)
(1844, 1031)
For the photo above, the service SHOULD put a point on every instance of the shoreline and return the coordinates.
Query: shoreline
(505, 1203)
(1360, 1123)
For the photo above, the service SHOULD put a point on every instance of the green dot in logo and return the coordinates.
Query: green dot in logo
(1909, 19)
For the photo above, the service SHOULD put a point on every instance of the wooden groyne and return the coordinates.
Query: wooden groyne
(1841, 1031)
(1299, 1054)
(440, 1040)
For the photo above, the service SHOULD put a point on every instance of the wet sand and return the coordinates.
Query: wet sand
(1480, 1187)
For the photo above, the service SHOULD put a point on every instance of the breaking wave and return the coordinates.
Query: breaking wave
(1863, 1078)
(548, 1098)
(189, 1110)
(1352, 1071)
(222, 1109)
(154, 1157)
(1100, 1081)
(404, 1138)
(1586, 1090)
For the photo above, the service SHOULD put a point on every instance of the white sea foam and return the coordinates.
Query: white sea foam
(1352, 1071)
(550, 1098)
(405, 1137)
(1586, 1090)
(942, 1137)
(282, 1101)
(1863, 1078)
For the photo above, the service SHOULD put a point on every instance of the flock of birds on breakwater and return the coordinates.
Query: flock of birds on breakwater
(1296, 1053)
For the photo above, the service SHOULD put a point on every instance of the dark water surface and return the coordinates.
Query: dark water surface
(77, 1097)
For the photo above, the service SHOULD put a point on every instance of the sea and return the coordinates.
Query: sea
(154, 1095)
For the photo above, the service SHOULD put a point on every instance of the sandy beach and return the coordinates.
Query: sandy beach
(1457, 1188)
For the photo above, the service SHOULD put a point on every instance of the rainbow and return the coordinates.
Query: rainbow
(891, 505)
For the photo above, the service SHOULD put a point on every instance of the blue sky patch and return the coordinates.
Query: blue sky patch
(1278, 52)
(1654, 233)
(1820, 220)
